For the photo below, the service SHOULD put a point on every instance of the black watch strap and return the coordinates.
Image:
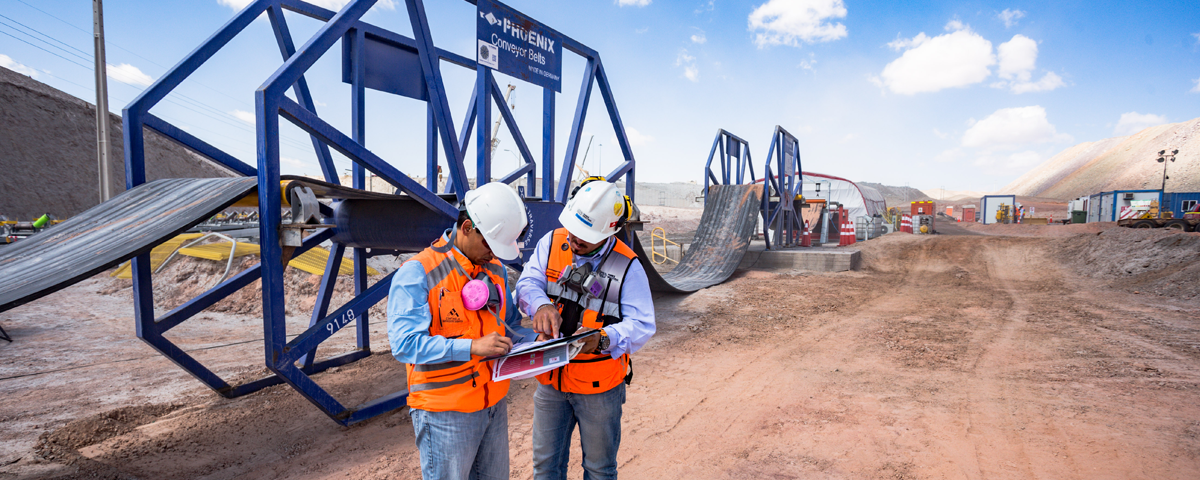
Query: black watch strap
(604, 343)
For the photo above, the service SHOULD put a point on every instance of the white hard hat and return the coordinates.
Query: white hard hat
(499, 214)
(594, 212)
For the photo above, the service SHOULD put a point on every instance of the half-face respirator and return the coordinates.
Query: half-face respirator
(480, 293)
(582, 279)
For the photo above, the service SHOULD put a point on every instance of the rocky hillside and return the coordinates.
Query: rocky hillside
(1118, 163)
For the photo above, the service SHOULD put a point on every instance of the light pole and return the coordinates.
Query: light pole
(1163, 157)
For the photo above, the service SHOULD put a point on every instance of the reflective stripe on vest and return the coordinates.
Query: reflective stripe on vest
(588, 374)
(462, 386)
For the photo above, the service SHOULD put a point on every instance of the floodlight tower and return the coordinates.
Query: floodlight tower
(1163, 158)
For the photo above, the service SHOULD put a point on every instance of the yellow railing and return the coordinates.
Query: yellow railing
(659, 234)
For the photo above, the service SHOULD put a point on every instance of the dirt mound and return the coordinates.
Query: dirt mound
(1024, 230)
(1118, 163)
(186, 278)
(1161, 262)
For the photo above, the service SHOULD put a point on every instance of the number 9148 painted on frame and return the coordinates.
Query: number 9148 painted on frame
(340, 322)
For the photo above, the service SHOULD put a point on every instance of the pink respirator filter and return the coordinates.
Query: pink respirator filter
(476, 295)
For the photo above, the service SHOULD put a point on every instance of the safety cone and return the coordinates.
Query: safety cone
(851, 234)
(806, 237)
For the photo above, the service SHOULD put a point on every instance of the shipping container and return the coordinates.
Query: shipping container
(923, 208)
(991, 204)
(1093, 209)
(1179, 203)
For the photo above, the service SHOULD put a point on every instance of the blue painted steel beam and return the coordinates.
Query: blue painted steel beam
(513, 129)
(188, 140)
(483, 112)
(327, 133)
(547, 145)
(464, 134)
(324, 294)
(614, 115)
(437, 92)
(286, 48)
(335, 321)
(585, 94)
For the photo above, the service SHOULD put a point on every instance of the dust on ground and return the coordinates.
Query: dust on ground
(970, 356)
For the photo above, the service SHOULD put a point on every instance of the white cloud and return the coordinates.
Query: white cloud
(940, 134)
(706, 7)
(244, 116)
(688, 62)
(1049, 81)
(9, 63)
(848, 137)
(1009, 164)
(129, 74)
(792, 22)
(699, 38)
(636, 3)
(642, 30)
(1012, 129)
(1018, 57)
(952, 60)
(1010, 17)
(1197, 35)
(236, 5)
(635, 137)
(948, 155)
(1133, 122)
(1196, 89)
(335, 5)
(955, 25)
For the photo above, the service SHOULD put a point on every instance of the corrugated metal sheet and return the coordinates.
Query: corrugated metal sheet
(730, 216)
(127, 225)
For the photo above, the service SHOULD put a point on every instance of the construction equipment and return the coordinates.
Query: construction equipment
(11, 231)
(357, 222)
(1004, 213)
(923, 224)
(1147, 214)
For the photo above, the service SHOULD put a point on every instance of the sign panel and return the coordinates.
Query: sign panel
(516, 45)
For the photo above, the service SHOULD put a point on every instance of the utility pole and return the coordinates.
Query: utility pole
(102, 149)
(1163, 157)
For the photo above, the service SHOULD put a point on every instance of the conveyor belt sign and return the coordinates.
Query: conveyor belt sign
(517, 45)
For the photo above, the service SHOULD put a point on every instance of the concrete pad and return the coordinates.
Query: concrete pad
(815, 259)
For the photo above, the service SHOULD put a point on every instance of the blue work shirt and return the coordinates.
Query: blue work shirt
(637, 304)
(409, 320)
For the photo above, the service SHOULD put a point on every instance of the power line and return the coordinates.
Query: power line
(42, 49)
(27, 27)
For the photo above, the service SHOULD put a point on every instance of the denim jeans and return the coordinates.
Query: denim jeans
(462, 446)
(555, 415)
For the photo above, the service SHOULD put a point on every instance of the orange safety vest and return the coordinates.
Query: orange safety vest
(464, 386)
(595, 308)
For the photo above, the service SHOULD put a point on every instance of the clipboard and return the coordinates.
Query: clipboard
(545, 345)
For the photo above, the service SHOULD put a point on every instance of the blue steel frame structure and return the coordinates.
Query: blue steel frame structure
(416, 74)
(734, 161)
(782, 180)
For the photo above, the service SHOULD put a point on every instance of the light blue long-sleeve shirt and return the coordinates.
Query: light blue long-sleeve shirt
(637, 304)
(409, 319)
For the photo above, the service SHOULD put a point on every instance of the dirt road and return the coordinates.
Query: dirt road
(968, 356)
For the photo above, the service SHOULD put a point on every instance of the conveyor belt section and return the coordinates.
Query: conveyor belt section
(128, 225)
(726, 226)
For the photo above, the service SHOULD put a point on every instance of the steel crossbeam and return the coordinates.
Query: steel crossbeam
(414, 71)
(781, 185)
(734, 161)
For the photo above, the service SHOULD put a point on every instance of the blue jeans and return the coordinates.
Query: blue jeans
(555, 415)
(462, 446)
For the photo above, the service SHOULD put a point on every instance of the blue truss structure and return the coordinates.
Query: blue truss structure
(734, 161)
(372, 58)
(781, 184)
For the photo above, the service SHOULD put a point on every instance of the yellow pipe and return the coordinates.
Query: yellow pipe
(251, 199)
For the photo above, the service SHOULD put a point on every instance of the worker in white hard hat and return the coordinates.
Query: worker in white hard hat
(582, 277)
(448, 308)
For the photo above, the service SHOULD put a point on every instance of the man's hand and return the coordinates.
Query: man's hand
(546, 320)
(590, 343)
(490, 345)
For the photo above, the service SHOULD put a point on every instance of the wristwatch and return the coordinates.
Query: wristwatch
(604, 341)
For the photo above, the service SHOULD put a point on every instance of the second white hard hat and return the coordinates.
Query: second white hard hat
(594, 213)
(499, 214)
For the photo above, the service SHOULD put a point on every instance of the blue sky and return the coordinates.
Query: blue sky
(961, 95)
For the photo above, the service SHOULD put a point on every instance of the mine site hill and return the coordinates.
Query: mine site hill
(48, 152)
(1120, 163)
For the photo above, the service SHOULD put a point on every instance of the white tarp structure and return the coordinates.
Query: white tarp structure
(860, 201)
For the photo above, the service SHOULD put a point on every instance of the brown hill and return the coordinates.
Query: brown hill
(1118, 163)
(48, 152)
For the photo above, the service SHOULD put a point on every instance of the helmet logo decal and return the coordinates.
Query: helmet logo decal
(584, 218)
(618, 208)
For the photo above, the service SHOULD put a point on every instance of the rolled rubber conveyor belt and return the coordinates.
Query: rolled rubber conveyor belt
(726, 226)
(128, 225)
